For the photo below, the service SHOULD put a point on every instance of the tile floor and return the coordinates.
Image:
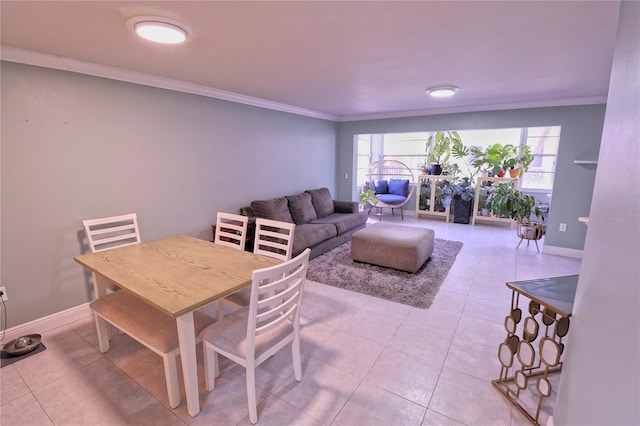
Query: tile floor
(367, 361)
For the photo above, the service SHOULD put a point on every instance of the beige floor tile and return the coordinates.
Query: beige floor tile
(350, 353)
(66, 352)
(360, 325)
(473, 359)
(486, 309)
(100, 393)
(436, 419)
(371, 405)
(274, 411)
(12, 386)
(481, 331)
(387, 308)
(84, 326)
(323, 391)
(313, 334)
(23, 411)
(226, 404)
(404, 375)
(431, 348)
(469, 400)
(331, 312)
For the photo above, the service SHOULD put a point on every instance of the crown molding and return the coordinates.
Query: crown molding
(478, 108)
(45, 60)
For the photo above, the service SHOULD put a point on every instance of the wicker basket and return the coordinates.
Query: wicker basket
(531, 231)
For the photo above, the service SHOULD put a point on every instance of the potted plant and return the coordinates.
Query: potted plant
(519, 163)
(463, 192)
(438, 150)
(368, 197)
(510, 202)
(493, 157)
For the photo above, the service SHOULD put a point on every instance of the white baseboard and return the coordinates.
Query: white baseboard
(49, 322)
(563, 251)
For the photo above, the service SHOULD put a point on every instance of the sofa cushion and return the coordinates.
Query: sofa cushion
(274, 209)
(301, 208)
(391, 198)
(380, 186)
(322, 201)
(399, 187)
(310, 234)
(343, 221)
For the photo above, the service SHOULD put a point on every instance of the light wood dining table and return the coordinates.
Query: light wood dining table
(177, 275)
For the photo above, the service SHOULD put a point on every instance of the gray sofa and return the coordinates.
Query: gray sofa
(321, 222)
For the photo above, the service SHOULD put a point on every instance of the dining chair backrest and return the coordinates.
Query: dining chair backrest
(111, 232)
(275, 297)
(231, 230)
(274, 238)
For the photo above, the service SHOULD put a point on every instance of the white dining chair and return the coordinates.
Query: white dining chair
(273, 239)
(251, 335)
(111, 232)
(139, 320)
(231, 231)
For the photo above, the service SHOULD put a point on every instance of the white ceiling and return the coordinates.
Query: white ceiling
(337, 59)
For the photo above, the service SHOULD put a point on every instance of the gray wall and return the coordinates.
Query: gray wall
(600, 382)
(573, 186)
(77, 147)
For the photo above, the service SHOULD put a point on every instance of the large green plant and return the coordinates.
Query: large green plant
(521, 159)
(508, 201)
(493, 157)
(438, 147)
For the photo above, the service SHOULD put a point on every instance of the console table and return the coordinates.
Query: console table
(532, 351)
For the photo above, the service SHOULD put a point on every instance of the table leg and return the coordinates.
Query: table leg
(187, 339)
(102, 328)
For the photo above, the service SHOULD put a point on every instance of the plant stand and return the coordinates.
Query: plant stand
(433, 206)
(530, 231)
(486, 181)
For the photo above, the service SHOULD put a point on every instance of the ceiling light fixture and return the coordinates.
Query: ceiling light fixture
(442, 91)
(159, 30)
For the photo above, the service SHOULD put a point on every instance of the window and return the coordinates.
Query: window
(409, 148)
(543, 142)
(364, 157)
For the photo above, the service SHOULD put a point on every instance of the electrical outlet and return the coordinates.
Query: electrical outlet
(563, 227)
(4, 297)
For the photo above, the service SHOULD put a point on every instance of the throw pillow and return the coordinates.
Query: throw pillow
(399, 187)
(275, 209)
(301, 208)
(381, 186)
(322, 202)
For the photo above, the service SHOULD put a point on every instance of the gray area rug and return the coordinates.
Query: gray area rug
(335, 268)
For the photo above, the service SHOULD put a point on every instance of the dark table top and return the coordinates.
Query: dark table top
(556, 293)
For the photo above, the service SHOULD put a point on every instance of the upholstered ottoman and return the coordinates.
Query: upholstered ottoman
(394, 246)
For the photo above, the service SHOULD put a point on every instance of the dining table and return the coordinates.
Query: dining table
(177, 275)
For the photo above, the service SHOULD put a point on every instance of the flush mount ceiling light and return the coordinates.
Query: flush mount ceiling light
(159, 29)
(442, 91)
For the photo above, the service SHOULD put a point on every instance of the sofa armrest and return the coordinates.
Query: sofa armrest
(345, 206)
